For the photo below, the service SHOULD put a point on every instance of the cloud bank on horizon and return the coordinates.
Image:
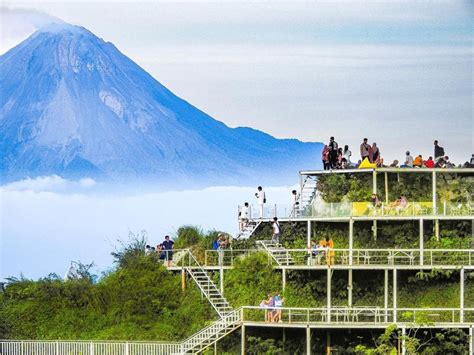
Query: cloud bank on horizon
(47, 222)
(385, 70)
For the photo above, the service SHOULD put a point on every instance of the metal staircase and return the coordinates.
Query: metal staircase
(208, 336)
(277, 252)
(307, 193)
(207, 287)
(249, 229)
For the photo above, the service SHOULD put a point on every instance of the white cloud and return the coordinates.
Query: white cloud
(42, 232)
(19, 23)
(49, 183)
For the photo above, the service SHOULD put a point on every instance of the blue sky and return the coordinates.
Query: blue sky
(386, 70)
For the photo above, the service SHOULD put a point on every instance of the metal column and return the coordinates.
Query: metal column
(421, 242)
(351, 239)
(461, 301)
(221, 279)
(385, 295)
(404, 334)
(283, 279)
(471, 340)
(386, 187)
(374, 181)
(328, 293)
(349, 289)
(433, 187)
(242, 340)
(308, 340)
(394, 296)
(308, 234)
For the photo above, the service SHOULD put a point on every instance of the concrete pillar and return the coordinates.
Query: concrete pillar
(242, 340)
(421, 243)
(308, 234)
(461, 292)
(349, 289)
(328, 293)
(386, 187)
(351, 239)
(385, 295)
(308, 340)
(394, 296)
(283, 279)
(433, 191)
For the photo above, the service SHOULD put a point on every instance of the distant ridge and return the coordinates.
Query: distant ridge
(74, 105)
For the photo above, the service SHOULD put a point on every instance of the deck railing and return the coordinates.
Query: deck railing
(34, 347)
(363, 209)
(360, 315)
(358, 257)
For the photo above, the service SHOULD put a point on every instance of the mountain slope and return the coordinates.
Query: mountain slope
(73, 105)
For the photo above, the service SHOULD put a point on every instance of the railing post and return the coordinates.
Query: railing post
(91, 348)
(126, 348)
(57, 347)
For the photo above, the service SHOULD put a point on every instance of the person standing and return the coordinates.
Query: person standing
(364, 149)
(168, 250)
(261, 198)
(347, 155)
(295, 202)
(325, 157)
(276, 231)
(244, 216)
(333, 147)
(438, 152)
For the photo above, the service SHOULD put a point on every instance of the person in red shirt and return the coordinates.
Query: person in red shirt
(429, 163)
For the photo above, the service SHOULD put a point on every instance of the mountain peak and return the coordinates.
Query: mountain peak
(63, 27)
(74, 105)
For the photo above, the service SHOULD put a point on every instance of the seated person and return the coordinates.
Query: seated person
(401, 204)
(429, 163)
(394, 164)
(418, 162)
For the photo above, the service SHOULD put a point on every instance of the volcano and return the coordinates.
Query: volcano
(73, 105)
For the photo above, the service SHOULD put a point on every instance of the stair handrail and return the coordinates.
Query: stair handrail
(223, 320)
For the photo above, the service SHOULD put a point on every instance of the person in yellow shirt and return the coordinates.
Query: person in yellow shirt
(330, 254)
(418, 162)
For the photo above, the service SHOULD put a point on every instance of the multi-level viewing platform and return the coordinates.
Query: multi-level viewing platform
(390, 227)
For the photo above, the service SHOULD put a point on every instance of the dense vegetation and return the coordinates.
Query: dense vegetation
(139, 300)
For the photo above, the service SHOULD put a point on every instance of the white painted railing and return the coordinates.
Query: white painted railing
(360, 257)
(362, 315)
(364, 209)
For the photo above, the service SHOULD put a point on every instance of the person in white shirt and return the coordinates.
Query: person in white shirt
(262, 200)
(296, 203)
(408, 161)
(276, 231)
(244, 216)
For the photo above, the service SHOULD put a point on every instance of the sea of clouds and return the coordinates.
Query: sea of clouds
(47, 222)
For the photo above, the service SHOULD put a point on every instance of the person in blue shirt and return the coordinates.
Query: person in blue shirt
(168, 250)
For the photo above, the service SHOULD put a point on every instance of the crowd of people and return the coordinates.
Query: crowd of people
(334, 157)
(273, 304)
(163, 251)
